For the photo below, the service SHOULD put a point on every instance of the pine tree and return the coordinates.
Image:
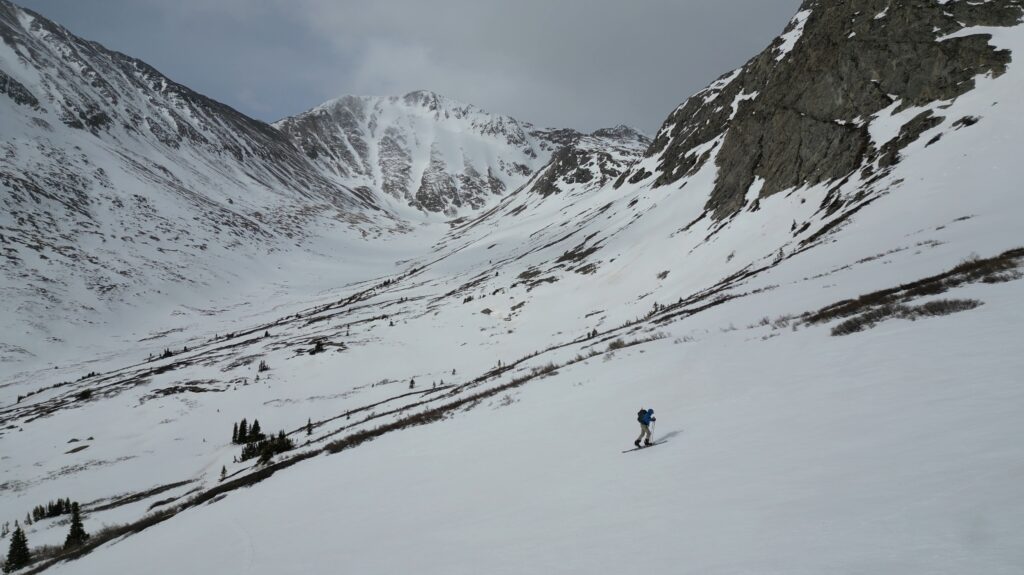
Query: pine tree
(77, 534)
(234, 434)
(254, 431)
(243, 431)
(18, 555)
(309, 427)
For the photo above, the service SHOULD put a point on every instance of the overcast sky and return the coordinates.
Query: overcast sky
(582, 64)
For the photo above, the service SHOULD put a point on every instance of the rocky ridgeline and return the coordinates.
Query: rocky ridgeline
(799, 112)
(116, 181)
(118, 98)
(429, 151)
(592, 161)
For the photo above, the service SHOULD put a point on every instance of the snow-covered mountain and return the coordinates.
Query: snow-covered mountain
(117, 183)
(813, 274)
(429, 151)
(126, 195)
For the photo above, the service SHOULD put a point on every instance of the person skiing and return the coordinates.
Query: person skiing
(645, 417)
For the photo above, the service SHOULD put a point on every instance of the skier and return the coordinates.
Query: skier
(645, 417)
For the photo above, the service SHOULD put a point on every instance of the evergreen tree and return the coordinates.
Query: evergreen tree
(254, 431)
(234, 434)
(77, 534)
(267, 448)
(243, 431)
(18, 555)
(309, 427)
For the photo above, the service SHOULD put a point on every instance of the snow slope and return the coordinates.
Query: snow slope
(133, 206)
(427, 151)
(777, 471)
(469, 409)
(119, 185)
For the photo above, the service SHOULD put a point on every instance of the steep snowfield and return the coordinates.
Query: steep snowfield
(535, 331)
(428, 152)
(122, 191)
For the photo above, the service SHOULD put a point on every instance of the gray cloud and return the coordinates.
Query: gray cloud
(574, 63)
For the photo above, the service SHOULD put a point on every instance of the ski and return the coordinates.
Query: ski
(644, 446)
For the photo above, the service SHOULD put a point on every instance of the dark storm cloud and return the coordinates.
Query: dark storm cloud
(575, 63)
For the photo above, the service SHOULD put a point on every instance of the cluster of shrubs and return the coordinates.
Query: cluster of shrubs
(867, 310)
(616, 344)
(869, 318)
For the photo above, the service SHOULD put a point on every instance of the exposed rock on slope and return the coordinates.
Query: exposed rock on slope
(116, 182)
(428, 151)
(802, 111)
(593, 161)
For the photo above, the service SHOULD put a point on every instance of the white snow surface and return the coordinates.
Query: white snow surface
(786, 450)
(794, 31)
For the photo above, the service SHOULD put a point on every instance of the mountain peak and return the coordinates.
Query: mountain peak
(432, 100)
(619, 132)
(424, 149)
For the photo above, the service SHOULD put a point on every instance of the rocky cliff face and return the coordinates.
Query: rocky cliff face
(803, 111)
(426, 150)
(590, 161)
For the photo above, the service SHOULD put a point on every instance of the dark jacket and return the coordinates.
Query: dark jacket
(646, 417)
